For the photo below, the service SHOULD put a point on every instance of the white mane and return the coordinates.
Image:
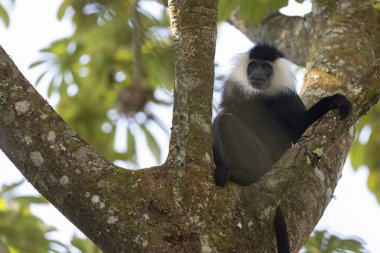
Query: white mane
(282, 79)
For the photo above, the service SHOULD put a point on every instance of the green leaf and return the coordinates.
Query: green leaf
(85, 245)
(36, 63)
(60, 244)
(39, 78)
(323, 242)
(131, 145)
(22, 231)
(374, 183)
(4, 15)
(152, 143)
(251, 11)
(254, 11)
(225, 8)
(158, 63)
(27, 200)
(51, 88)
(62, 9)
(7, 188)
(371, 156)
(357, 155)
(367, 154)
(278, 4)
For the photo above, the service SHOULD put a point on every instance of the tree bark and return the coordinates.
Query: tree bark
(176, 207)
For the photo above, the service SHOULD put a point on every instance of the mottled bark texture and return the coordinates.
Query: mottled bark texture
(176, 207)
(163, 209)
(110, 205)
(193, 28)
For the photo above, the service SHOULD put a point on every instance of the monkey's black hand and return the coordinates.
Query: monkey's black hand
(221, 175)
(341, 103)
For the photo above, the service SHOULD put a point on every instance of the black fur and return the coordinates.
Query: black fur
(255, 128)
(265, 52)
(279, 224)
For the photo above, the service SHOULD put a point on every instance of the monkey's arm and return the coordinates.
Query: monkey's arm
(319, 109)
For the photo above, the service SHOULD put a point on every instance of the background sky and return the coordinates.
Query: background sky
(353, 211)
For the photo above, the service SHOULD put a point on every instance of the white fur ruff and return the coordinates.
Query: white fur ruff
(281, 80)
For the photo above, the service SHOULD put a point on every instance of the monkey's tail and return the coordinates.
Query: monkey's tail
(279, 224)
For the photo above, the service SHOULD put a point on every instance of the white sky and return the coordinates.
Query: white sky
(353, 212)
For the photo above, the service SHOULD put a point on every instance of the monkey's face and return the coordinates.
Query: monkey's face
(259, 73)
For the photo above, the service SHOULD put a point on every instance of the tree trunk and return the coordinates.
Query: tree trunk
(176, 207)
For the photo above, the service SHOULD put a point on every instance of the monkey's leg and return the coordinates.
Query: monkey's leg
(243, 158)
(221, 172)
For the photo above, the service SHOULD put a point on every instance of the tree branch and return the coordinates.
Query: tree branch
(321, 137)
(120, 210)
(194, 37)
(100, 198)
(289, 34)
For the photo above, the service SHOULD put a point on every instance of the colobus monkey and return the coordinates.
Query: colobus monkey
(261, 117)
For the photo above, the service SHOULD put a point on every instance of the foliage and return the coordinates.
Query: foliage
(4, 16)
(323, 242)
(85, 245)
(376, 4)
(95, 72)
(365, 150)
(253, 11)
(21, 231)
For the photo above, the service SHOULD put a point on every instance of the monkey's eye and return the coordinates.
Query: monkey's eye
(267, 66)
(253, 64)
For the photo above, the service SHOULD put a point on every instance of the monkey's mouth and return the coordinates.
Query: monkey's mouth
(258, 83)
